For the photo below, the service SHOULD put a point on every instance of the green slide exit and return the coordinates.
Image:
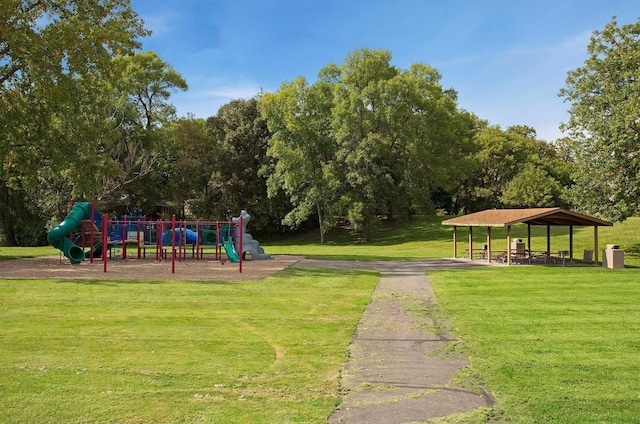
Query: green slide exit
(58, 237)
(231, 251)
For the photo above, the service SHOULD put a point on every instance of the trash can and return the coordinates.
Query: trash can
(613, 257)
(587, 256)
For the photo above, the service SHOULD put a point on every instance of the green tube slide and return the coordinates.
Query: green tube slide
(58, 237)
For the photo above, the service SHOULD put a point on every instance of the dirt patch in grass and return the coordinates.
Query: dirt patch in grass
(144, 269)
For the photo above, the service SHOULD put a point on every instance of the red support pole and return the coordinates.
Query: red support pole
(197, 240)
(91, 239)
(217, 240)
(180, 240)
(124, 239)
(159, 240)
(139, 249)
(173, 244)
(183, 236)
(184, 244)
(105, 229)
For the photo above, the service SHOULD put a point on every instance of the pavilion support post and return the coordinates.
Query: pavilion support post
(529, 237)
(455, 241)
(548, 239)
(571, 243)
(489, 244)
(595, 245)
(509, 245)
(471, 243)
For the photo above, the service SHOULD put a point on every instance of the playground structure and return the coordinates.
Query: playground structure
(85, 234)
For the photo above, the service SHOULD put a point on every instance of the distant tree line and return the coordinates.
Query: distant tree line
(84, 115)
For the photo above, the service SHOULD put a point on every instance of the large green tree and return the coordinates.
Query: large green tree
(512, 168)
(367, 140)
(148, 82)
(532, 187)
(186, 161)
(303, 150)
(400, 136)
(55, 55)
(604, 122)
(136, 107)
(236, 183)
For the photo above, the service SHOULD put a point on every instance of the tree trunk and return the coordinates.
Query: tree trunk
(321, 223)
(10, 236)
(7, 218)
(368, 228)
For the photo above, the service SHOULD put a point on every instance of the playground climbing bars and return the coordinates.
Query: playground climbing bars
(87, 234)
(164, 237)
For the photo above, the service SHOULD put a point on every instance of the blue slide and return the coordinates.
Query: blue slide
(182, 236)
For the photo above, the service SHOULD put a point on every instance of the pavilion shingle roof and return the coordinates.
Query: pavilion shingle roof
(534, 216)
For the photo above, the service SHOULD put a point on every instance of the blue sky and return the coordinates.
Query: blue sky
(507, 59)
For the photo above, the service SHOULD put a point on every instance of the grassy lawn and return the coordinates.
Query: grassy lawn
(103, 351)
(425, 237)
(553, 344)
(26, 252)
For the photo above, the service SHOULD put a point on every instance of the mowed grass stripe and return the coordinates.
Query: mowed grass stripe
(255, 351)
(553, 344)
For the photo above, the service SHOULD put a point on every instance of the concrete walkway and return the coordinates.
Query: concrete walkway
(399, 369)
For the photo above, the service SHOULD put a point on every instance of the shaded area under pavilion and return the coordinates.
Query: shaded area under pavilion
(548, 217)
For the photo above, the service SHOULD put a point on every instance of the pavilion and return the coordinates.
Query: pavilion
(537, 216)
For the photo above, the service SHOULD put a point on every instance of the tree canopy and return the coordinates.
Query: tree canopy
(605, 123)
(303, 151)
(55, 58)
(367, 140)
(241, 137)
(510, 168)
(85, 114)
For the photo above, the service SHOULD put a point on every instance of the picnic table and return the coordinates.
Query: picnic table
(519, 256)
(477, 253)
